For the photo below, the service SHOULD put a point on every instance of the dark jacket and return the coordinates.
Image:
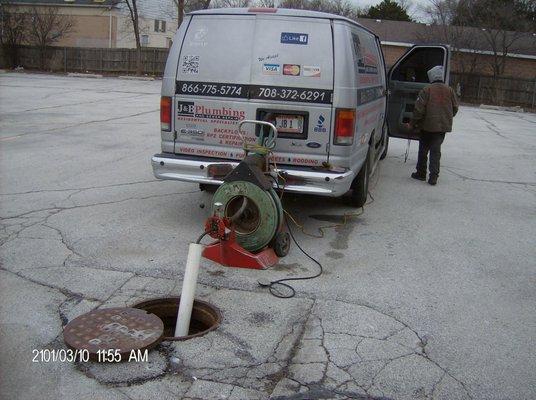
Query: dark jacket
(435, 108)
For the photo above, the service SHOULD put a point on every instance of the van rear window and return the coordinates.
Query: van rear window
(217, 49)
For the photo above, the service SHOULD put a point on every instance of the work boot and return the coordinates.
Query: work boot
(416, 175)
(432, 180)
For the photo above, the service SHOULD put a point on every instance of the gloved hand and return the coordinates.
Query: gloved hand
(407, 127)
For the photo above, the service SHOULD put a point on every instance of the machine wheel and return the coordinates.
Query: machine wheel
(281, 244)
(359, 194)
(207, 187)
(384, 153)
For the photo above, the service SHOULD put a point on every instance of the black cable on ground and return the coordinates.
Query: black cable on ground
(272, 284)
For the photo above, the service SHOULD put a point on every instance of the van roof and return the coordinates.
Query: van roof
(277, 11)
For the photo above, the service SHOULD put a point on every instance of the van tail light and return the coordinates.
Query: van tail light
(344, 126)
(165, 113)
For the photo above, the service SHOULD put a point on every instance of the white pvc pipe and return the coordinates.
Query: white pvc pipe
(188, 289)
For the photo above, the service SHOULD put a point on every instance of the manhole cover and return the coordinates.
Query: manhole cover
(113, 334)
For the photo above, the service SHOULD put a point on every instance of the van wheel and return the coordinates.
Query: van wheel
(359, 194)
(384, 154)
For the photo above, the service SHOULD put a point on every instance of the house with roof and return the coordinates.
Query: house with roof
(473, 53)
(107, 24)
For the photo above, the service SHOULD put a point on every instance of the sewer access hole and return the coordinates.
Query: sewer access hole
(205, 316)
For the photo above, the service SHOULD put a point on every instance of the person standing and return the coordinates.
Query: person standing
(434, 110)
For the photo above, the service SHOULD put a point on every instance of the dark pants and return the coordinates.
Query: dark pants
(429, 142)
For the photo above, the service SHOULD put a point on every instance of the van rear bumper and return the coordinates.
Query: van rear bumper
(298, 179)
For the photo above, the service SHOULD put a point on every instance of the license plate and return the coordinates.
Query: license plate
(289, 123)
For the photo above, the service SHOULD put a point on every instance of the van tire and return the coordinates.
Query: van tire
(359, 194)
(384, 153)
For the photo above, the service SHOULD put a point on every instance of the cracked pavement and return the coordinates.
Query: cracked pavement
(427, 295)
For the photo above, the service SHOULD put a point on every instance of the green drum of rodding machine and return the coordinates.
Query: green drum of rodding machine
(260, 217)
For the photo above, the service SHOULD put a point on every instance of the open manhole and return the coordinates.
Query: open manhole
(205, 317)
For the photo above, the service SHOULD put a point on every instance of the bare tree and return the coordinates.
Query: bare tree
(441, 14)
(505, 27)
(14, 32)
(339, 7)
(267, 3)
(176, 9)
(499, 27)
(47, 27)
(135, 20)
(230, 3)
(295, 4)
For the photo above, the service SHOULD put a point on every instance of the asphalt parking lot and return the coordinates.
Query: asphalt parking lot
(430, 294)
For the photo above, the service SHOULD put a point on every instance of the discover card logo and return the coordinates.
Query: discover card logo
(311, 71)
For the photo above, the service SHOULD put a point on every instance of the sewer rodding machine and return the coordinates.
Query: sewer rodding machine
(248, 217)
(250, 231)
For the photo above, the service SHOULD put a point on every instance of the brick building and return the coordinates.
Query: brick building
(106, 23)
(472, 54)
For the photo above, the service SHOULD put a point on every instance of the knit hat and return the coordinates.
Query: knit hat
(436, 74)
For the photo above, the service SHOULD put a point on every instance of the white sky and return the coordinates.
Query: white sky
(415, 11)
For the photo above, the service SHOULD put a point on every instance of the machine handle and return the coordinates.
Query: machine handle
(269, 141)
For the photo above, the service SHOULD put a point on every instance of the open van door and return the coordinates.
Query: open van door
(406, 78)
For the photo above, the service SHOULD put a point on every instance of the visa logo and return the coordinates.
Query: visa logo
(271, 69)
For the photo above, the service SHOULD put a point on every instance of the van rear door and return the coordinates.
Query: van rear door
(292, 84)
(406, 79)
(235, 67)
(212, 88)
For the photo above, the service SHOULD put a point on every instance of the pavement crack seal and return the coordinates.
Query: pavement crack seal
(464, 177)
(60, 128)
(60, 209)
(492, 127)
(301, 323)
(436, 385)
(65, 243)
(99, 101)
(423, 341)
(84, 188)
(63, 291)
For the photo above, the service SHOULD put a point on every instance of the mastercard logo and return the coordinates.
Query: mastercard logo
(291, 69)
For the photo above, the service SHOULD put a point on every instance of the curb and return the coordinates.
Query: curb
(81, 75)
(500, 108)
(138, 78)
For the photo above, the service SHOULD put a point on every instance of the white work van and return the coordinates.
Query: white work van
(320, 78)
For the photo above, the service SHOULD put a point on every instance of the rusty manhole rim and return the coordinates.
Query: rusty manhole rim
(206, 306)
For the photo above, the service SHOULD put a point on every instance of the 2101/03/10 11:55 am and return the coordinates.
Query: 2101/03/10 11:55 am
(83, 355)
